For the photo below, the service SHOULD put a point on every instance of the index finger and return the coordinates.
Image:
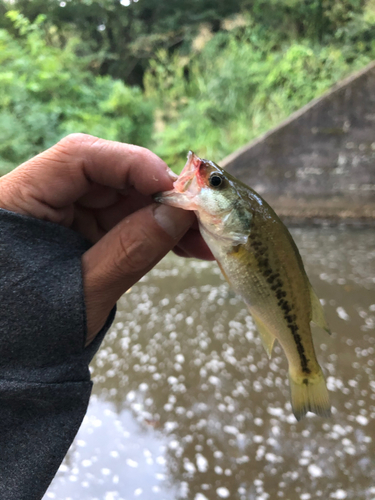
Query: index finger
(65, 172)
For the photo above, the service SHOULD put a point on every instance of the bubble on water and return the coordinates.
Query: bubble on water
(276, 412)
(361, 420)
(138, 492)
(342, 314)
(260, 452)
(333, 384)
(214, 380)
(200, 496)
(86, 463)
(340, 429)
(315, 471)
(130, 396)
(174, 445)
(230, 429)
(339, 494)
(303, 461)
(202, 463)
(180, 358)
(189, 467)
(276, 430)
(172, 380)
(223, 492)
(161, 460)
(111, 495)
(218, 470)
(170, 426)
(271, 457)
(131, 463)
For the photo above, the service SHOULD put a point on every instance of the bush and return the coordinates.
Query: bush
(242, 83)
(47, 91)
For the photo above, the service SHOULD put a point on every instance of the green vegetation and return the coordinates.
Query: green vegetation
(47, 92)
(209, 77)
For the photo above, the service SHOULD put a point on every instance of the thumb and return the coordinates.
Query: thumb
(125, 254)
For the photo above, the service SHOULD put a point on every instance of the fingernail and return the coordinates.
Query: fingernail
(173, 221)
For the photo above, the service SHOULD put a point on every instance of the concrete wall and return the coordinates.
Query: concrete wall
(320, 162)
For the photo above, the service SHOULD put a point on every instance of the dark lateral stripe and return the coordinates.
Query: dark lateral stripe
(276, 285)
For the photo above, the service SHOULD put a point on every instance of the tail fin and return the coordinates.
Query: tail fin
(309, 393)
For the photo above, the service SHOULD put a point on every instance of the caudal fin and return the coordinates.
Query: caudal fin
(309, 394)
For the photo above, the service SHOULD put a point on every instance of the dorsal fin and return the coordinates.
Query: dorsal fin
(318, 316)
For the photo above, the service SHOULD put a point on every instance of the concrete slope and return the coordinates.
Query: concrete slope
(320, 162)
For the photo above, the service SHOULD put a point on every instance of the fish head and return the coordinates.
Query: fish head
(216, 197)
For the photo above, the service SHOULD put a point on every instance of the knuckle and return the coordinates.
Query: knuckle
(136, 252)
(78, 144)
(76, 138)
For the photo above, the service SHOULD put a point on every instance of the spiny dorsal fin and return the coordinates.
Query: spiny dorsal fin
(268, 339)
(318, 316)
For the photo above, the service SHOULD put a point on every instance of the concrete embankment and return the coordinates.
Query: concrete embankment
(320, 162)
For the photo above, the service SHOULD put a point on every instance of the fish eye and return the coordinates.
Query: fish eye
(215, 180)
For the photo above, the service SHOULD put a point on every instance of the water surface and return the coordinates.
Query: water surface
(186, 404)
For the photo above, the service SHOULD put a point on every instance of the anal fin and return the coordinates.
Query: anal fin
(268, 339)
(318, 316)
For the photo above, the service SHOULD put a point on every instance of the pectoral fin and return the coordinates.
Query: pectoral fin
(224, 273)
(318, 316)
(268, 339)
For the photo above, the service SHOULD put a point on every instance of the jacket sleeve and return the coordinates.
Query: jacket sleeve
(44, 377)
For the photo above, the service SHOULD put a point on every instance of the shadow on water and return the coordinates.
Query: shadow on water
(186, 403)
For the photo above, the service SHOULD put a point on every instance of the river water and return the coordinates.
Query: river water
(186, 404)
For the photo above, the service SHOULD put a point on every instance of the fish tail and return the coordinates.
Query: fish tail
(309, 393)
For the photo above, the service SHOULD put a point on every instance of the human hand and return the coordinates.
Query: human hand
(103, 190)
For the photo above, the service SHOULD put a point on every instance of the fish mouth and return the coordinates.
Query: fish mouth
(188, 175)
(185, 188)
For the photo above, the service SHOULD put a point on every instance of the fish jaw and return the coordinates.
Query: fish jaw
(186, 188)
(176, 199)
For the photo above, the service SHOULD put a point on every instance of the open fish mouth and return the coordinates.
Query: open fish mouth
(186, 188)
(188, 174)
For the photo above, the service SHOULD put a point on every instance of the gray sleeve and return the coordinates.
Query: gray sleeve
(44, 377)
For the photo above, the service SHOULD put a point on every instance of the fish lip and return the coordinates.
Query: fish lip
(188, 173)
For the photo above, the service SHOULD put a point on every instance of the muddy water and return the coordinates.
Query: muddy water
(186, 404)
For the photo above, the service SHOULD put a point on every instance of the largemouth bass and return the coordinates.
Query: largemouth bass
(261, 262)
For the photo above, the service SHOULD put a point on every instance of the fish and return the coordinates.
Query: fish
(261, 262)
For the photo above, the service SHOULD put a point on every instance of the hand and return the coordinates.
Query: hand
(103, 190)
